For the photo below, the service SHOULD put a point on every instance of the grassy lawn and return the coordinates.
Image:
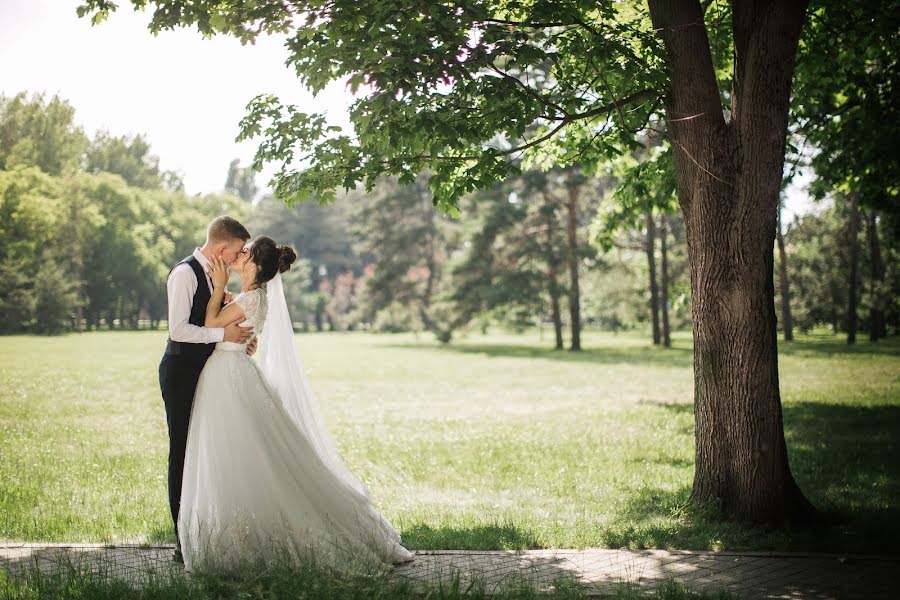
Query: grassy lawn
(491, 442)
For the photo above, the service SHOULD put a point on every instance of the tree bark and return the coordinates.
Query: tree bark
(877, 329)
(729, 176)
(572, 243)
(787, 323)
(664, 280)
(853, 242)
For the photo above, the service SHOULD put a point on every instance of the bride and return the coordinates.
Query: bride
(263, 480)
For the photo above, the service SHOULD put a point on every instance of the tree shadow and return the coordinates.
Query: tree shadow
(843, 457)
(846, 460)
(830, 346)
(675, 357)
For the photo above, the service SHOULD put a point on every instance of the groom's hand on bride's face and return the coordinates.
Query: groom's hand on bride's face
(237, 334)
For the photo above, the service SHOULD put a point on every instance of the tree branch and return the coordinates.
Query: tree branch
(531, 92)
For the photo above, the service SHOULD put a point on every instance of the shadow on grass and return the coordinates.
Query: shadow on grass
(665, 357)
(821, 346)
(828, 346)
(844, 458)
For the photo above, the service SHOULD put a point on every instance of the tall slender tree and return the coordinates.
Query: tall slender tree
(550, 218)
(573, 255)
(650, 251)
(787, 323)
(853, 259)
(664, 280)
(877, 327)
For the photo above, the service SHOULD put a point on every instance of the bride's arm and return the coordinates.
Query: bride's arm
(216, 314)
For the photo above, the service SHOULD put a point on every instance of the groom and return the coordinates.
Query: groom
(190, 344)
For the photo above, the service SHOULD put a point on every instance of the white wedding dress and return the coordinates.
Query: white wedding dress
(263, 481)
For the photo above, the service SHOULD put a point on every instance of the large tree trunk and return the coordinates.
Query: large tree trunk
(572, 244)
(651, 262)
(853, 241)
(664, 280)
(729, 178)
(877, 329)
(787, 323)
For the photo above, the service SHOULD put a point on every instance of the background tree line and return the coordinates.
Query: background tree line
(90, 228)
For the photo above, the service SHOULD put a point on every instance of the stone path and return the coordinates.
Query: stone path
(747, 575)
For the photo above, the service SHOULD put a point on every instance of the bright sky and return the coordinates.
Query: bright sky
(186, 93)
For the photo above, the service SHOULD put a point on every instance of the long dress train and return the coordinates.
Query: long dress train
(256, 488)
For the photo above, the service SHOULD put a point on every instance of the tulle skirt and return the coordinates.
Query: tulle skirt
(255, 492)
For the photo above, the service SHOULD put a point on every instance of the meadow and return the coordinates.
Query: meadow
(492, 442)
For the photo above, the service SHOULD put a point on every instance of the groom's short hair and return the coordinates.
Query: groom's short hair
(225, 229)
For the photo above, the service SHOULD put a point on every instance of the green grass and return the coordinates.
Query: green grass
(492, 442)
(307, 582)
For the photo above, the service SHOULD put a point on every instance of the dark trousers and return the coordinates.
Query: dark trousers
(178, 377)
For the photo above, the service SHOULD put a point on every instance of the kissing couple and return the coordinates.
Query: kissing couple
(254, 476)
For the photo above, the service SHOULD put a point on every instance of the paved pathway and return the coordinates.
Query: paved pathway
(747, 575)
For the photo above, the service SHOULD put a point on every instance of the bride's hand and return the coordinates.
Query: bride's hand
(218, 272)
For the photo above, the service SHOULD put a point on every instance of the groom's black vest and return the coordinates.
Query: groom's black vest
(194, 352)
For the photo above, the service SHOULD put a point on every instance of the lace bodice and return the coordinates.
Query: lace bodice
(255, 306)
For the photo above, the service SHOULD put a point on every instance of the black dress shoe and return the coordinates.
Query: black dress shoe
(177, 556)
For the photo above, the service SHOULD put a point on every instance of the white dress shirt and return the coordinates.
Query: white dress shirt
(181, 287)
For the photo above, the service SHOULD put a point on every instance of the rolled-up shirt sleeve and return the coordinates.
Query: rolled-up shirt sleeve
(180, 289)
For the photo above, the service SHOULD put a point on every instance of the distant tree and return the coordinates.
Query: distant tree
(784, 289)
(320, 234)
(398, 230)
(56, 297)
(664, 279)
(241, 181)
(645, 191)
(126, 156)
(41, 133)
(500, 271)
(300, 300)
(877, 323)
(847, 110)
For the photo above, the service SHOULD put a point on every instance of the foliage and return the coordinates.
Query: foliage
(645, 184)
(845, 100)
(409, 245)
(130, 158)
(443, 88)
(817, 251)
(241, 181)
(319, 233)
(55, 297)
(81, 247)
(40, 133)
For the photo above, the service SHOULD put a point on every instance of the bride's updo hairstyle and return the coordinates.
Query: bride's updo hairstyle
(270, 258)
